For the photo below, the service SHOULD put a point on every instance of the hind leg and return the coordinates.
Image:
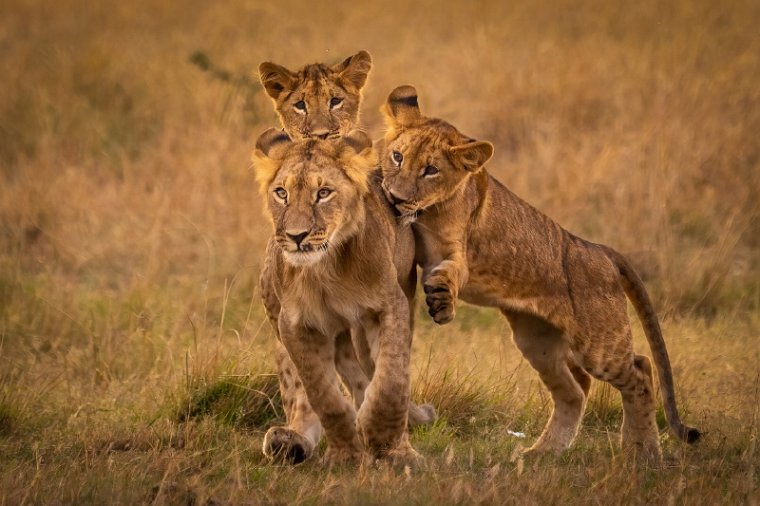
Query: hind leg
(548, 352)
(616, 363)
(604, 345)
(639, 433)
(351, 373)
(419, 414)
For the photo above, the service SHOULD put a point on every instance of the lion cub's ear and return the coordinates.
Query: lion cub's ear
(472, 155)
(275, 78)
(355, 69)
(359, 159)
(401, 109)
(270, 148)
(271, 142)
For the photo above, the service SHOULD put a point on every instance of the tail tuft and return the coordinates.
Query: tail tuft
(692, 435)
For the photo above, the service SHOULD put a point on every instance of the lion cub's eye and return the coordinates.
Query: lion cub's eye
(281, 193)
(430, 170)
(397, 157)
(300, 105)
(335, 102)
(323, 193)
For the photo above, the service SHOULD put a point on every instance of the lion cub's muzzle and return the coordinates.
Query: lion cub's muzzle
(402, 205)
(300, 249)
(406, 210)
(321, 134)
(298, 240)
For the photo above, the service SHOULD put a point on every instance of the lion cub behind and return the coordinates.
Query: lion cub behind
(318, 100)
(565, 298)
(333, 266)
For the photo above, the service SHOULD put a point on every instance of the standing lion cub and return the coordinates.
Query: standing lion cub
(565, 297)
(333, 266)
(320, 101)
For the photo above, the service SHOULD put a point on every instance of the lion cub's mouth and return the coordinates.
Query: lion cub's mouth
(334, 134)
(406, 214)
(307, 254)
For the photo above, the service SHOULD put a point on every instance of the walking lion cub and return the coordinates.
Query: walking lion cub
(333, 266)
(565, 297)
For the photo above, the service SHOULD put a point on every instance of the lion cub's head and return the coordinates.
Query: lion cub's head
(314, 190)
(426, 160)
(317, 100)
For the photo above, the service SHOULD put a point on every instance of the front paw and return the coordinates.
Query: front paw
(284, 445)
(439, 299)
(403, 455)
(342, 455)
(380, 434)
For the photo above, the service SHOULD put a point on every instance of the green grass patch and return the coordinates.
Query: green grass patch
(465, 399)
(251, 401)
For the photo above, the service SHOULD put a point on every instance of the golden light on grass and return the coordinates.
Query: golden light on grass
(131, 238)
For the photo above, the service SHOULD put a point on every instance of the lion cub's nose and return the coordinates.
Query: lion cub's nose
(395, 199)
(297, 237)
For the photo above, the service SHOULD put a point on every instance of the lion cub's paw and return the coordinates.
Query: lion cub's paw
(537, 453)
(644, 452)
(342, 455)
(404, 455)
(285, 445)
(439, 299)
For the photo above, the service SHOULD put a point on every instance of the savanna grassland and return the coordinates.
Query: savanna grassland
(135, 360)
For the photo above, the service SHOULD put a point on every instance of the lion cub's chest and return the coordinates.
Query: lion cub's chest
(329, 305)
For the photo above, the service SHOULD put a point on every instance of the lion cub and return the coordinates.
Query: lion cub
(565, 298)
(318, 100)
(333, 266)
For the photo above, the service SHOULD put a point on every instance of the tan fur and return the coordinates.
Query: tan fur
(333, 267)
(315, 86)
(564, 297)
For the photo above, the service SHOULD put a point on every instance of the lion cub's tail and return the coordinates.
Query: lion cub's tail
(636, 292)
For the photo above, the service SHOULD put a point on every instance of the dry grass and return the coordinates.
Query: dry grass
(132, 341)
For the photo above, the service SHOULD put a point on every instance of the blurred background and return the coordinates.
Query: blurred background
(131, 231)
